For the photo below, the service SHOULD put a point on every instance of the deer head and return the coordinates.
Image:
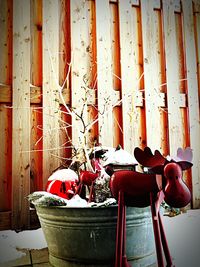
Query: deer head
(175, 190)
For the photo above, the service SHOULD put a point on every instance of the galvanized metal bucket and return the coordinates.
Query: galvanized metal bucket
(85, 237)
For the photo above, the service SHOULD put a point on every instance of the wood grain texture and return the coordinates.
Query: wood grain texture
(50, 88)
(5, 156)
(80, 61)
(104, 72)
(130, 75)
(21, 114)
(152, 73)
(172, 77)
(36, 44)
(6, 42)
(193, 97)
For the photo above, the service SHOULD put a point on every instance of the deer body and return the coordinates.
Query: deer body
(135, 186)
(132, 188)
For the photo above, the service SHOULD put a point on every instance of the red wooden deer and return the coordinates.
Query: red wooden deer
(163, 182)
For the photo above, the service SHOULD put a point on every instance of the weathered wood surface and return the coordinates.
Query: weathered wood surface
(80, 61)
(152, 73)
(193, 96)
(133, 65)
(172, 77)
(130, 74)
(50, 91)
(21, 114)
(104, 73)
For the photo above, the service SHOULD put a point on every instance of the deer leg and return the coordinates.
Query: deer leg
(124, 258)
(164, 243)
(156, 230)
(120, 228)
(79, 189)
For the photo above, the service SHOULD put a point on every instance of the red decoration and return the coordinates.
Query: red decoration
(164, 182)
(63, 183)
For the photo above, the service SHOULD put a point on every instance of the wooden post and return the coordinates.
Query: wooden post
(21, 114)
(172, 77)
(80, 68)
(50, 87)
(36, 109)
(5, 113)
(104, 73)
(193, 97)
(152, 74)
(130, 74)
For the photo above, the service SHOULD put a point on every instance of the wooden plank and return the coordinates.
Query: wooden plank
(36, 95)
(196, 6)
(36, 44)
(5, 93)
(6, 42)
(193, 97)
(104, 72)
(197, 38)
(64, 40)
(172, 78)
(21, 114)
(130, 74)
(5, 156)
(116, 70)
(80, 68)
(36, 149)
(152, 73)
(5, 220)
(50, 87)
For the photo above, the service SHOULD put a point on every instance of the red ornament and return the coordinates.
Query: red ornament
(63, 183)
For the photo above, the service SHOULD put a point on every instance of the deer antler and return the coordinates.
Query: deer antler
(184, 158)
(147, 159)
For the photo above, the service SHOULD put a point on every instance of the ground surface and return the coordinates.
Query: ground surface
(29, 248)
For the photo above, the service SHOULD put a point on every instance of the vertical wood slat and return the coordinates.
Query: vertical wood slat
(21, 113)
(172, 78)
(104, 72)
(129, 74)
(193, 97)
(6, 41)
(5, 155)
(197, 39)
(92, 109)
(80, 67)
(36, 44)
(116, 70)
(36, 149)
(5, 113)
(3, 41)
(50, 87)
(150, 33)
(36, 112)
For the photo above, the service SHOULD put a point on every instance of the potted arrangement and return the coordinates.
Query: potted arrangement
(81, 231)
(78, 214)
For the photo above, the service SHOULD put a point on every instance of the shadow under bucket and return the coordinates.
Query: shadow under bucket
(82, 237)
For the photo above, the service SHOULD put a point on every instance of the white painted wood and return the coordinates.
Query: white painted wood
(172, 78)
(130, 74)
(104, 72)
(152, 68)
(50, 87)
(193, 97)
(21, 113)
